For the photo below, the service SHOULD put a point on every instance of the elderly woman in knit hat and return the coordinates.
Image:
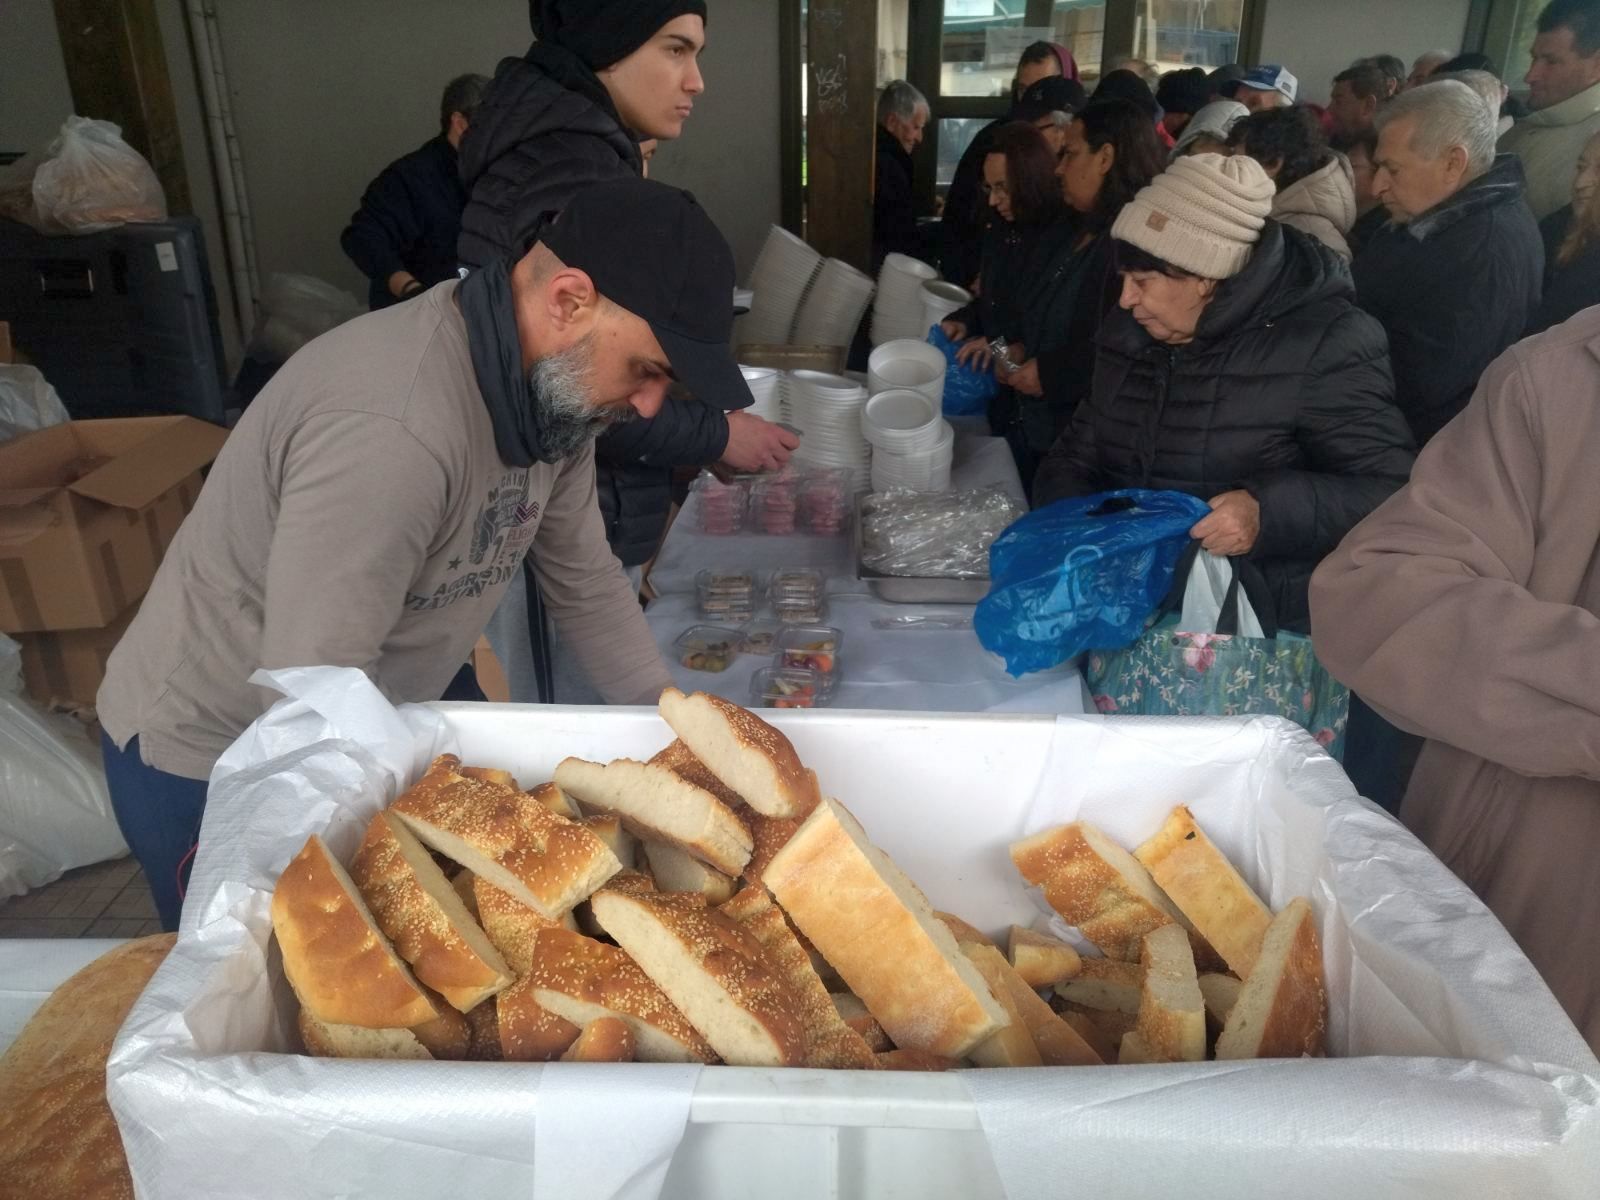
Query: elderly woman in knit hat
(1238, 369)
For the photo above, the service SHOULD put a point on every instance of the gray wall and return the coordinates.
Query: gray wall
(34, 98)
(1316, 39)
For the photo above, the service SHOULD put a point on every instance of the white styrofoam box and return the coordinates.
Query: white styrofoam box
(1457, 1074)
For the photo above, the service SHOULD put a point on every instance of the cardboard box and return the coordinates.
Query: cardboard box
(87, 509)
(67, 668)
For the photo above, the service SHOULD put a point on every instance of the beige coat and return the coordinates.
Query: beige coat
(1322, 204)
(1549, 143)
(1464, 609)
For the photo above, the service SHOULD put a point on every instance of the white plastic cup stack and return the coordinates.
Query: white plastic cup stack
(784, 270)
(908, 363)
(765, 385)
(827, 411)
(833, 306)
(898, 311)
(940, 299)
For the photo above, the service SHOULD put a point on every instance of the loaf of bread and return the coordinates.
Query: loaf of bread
(1282, 1009)
(681, 761)
(337, 959)
(1056, 1043)
(605, 1039)
(512, 926)
(1012, 1045)
(1199, 879)
(659, 805)
(829, 1041)
(742, 750)
(528, 1031)
(422, 915)
(580, 979)
(854, 1014)
(1096, 885)
(714, 972)
(1105, 983)
(1134, 1050)
(553, 798)
(58, 1139)
(1221, 993)
(1041, 960)
(323, 1039)
(484, 1024)
(878, 931)
(962, 931)
(447, 1036)
(1103, 1042)
(1172, 1013)
(915, 1060)
(506, 837)
(677, 871)
(608, 828)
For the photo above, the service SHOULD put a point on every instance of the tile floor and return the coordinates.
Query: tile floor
(109, 899)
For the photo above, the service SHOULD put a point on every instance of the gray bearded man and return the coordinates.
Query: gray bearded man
(374, 502)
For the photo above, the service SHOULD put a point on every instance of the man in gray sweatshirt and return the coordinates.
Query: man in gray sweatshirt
(375, 500)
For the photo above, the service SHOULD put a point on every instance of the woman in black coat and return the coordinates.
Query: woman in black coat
(1239, 370)
(1572, 248)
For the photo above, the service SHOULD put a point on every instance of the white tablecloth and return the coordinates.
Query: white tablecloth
(32, 968)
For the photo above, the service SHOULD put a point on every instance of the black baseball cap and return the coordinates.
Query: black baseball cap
(652, 250)
(1053, 93)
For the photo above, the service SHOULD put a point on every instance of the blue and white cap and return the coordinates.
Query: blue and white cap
(1269, 77)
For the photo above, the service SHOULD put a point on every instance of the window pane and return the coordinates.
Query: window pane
(955, 135)
(1080, 26)
(982, 41)
(1172, 34)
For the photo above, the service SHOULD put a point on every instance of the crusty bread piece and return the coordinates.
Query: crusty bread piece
(659, 805)
(529, 1032)
(1282, 1009)
(511, 925)
(1057, 1043)
(557, 801)
(743, 751)
(494, 775)
(1105, 983)
(604, 1039)
(855, 1015)
(1134, 1050)
(1103, 1042)
(579, 979)
(963, 932)
(1199, 879)
(463, 882)
(878, 931)
(1096, 885)
(681, 761)
(339, 963)
(58, 1139)
(915, 1060)
(713, 971)
(422, 915)
(484, 1024)
(506, 837)
(1172, 1013)
(769, 835)
(447, 1036)
(1011, 1046)
(1221, 993)
(1041, 960)
(608, 828)
(323, 1039)
(677, 871)
(829, 1042)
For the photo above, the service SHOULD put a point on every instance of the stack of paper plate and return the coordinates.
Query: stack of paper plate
(783, 271)
(833, 306)
(908, 364)
(827, 411)
(898, 311)
(912, 446)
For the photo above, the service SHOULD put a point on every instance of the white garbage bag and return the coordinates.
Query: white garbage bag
(93, 180)
(27, 401)
(55, 811)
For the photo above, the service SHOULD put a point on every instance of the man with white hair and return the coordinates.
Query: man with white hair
(1457, 272)
(902, 116)
(1487, 85)
(1427, 63)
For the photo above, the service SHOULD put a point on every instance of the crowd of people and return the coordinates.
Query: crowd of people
(1366, 335)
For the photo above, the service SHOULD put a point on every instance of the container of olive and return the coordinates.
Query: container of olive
(811, 647)
(708, 647)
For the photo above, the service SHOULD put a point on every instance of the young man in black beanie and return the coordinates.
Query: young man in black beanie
(602, 76)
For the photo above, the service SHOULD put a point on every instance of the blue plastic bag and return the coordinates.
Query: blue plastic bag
(1082, 574)
(967, 391)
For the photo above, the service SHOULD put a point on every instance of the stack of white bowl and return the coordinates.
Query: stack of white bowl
(911, 444)
(765, 385)
(783, 271)
(833, 306)
(940, 299)
(906, 363)
(898, 311)
(826, 409)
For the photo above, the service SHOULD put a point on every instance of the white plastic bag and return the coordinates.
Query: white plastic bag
(55, 811)
(294, 310)
(94, 180)
(27, 401)
(1204, 594)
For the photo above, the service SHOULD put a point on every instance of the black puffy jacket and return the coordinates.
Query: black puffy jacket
(1285, 392)
(1454, 288)
(541, 135)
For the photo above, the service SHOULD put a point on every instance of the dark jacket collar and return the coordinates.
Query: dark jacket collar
(890, 145)
(1504, 183)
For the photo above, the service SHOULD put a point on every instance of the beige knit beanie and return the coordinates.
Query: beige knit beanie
(1203, 214)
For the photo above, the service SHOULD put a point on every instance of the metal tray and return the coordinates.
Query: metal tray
(914, 589)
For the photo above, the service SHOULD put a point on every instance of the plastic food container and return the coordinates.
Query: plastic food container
(787, 687)
(798, 595)
(811, 647)
(708, 647)
(760, 637)
(727, 594)
(824, 503)
(774, 504)
(722, 506)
